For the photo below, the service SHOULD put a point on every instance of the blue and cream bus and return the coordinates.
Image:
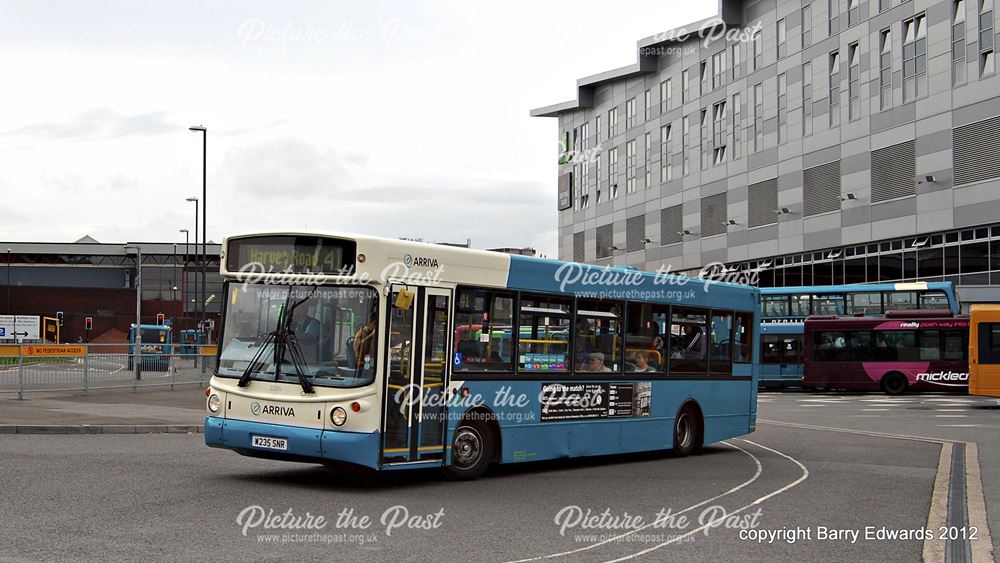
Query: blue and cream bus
(393, 354)
(781, 346)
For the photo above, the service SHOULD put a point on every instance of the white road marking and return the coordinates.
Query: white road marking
(712, 523)
(874, 409)
(760, 469)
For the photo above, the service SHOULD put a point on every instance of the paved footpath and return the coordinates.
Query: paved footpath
(105, 412)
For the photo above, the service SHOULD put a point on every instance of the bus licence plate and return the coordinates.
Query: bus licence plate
(269, 443)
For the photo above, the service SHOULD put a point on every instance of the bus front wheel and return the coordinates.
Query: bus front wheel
(687, 431)
(894, 383)
(471, 451)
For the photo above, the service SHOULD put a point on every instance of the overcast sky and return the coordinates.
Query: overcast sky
(384, 118)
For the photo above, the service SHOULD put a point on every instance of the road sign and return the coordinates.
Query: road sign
(28, 324)
(37, 351)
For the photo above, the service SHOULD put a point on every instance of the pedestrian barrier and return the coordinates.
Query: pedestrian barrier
(27, 368)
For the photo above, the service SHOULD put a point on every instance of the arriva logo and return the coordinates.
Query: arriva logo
(408, 260)
(255, 408)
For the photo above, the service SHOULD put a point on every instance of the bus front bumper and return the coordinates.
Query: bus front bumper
(303, 444)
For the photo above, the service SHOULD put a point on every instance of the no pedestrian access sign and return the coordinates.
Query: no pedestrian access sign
(36, 351)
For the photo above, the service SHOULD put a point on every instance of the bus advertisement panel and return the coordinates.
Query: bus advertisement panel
(895, 355)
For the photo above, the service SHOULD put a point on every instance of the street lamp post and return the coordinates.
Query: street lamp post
(137, 338)
(204, 218)
(184, 283)
(8, 282)
(195, 200)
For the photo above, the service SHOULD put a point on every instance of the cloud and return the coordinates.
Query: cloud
(284, 167)
(70, 182)
(101, 123)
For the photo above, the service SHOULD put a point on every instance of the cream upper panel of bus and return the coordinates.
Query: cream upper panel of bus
(379, 260)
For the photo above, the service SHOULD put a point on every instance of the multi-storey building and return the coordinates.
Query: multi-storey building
(814, 141)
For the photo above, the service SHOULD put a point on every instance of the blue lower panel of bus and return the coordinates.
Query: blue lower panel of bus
(304, 444)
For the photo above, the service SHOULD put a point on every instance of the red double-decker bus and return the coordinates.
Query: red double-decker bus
(906, 351)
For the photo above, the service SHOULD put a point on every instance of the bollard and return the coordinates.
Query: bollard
(20, 373)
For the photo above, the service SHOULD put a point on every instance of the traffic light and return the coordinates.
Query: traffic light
(59, 317)
(159, 319)
(88, 324)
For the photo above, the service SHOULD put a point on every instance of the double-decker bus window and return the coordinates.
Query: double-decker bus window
(483, 331)
(544, 333)
(791, 352)
(901, 300)
(866, 304)
(770, 349)
(598, 335)
(828, 304)
(934, 300)
(688, 341)
(955, 346)
(720, 355)
(930, 344)
(774, 305)
(744, 337)
(800, 305)
(646, 339)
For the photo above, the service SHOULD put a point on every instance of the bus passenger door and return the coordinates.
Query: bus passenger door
(417, 374)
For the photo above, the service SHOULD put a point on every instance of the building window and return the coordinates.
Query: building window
(685, 143)
(987, 64)
(703, 139)
(703, 77)
(758, 50)
(834, 12)
(719, 69)
(583, 186)
(853, 12)
(958, 42)
(885, 69)
(597, 128)
(649, 160)
(914, 58)
(781, 38)
(834, 89)
(613, 173)
(758, 117)
(629, 114)
(685, 83)
(666, 96)
(782, 109)
(630, 166)
(719, 133)
(807, 16)
(647, 101)
(737, 125)
(666, 150)
(612, 123)
(597, 176)
(737, 59)
(854, 81)
(807, 102)
(884, 5)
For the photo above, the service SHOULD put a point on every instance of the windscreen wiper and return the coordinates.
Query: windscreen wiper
(255, 363)
(285, 339)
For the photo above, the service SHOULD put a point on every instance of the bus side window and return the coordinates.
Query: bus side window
(955, 347)
(743, 330)
(989, 343)
(770, 349)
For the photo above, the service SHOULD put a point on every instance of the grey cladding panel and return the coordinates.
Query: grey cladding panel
(893, 170)
(976, 151)
(763, 202)
(713, 215)
(671, 225)
(821, 188)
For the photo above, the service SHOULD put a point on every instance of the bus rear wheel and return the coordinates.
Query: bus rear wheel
(687, 432)
(894, 383)
(471, 451)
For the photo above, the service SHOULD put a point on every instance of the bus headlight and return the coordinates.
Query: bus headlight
(338, 416)
(213, 402)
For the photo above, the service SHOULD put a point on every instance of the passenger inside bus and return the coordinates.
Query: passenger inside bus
(595, 362)
(641, 362)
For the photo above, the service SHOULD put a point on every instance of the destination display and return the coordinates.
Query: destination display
(578, 401)
(291, 254)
